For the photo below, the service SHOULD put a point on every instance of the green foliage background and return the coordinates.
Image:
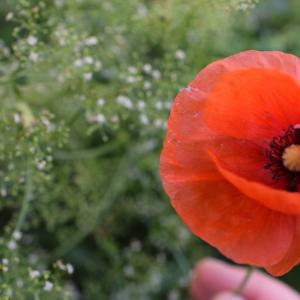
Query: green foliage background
(85, 90)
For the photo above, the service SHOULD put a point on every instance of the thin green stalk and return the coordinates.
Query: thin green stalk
(27, 198)
(36, 296)
(75, 116)
(241, 287)
(87, 153)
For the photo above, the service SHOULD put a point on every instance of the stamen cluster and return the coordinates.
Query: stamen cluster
(276, 152)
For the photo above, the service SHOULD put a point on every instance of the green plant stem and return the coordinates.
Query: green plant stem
(26, 200)
(36, 296)
(75, 116)
(87, 153)
(241, 287)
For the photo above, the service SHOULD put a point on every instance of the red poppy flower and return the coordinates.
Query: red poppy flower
(231, 159)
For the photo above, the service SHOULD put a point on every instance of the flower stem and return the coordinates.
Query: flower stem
(241, 287)
(36, 296)
(26, 200)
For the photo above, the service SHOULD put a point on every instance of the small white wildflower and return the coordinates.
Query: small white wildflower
(129, 271)
(20, 283)
(173, 295)
(156, 74)
(132, 70)
(61, 78)
(136, 245)
(32, 40)
(3, 192)
(77, 48)
(107, 6)
(158, 123)
(115, 119)
(5, 261)
(4, 268)
(59, 3)
(131, 79)
(61, 265)
(9, 293)
(32, 150)
(183, 234)
(142, 11)
(9, 16)
(12, 245)
(78, 63)
(100, 102)
(41, 165)
(147, 85)
(144, 119)
(62, 41)
(33, 258)
(69, 268)
(147, 68)
(180, 54)
(17, 118)
(34, 274)
(168, 104)
(33, 56)
(48, 286)
(87, 76)
(65, 267)
(91, 41)
(46, 121)
(100, 118)
(88, 60)
(98, 65)
(183, 281)
(158, 105)
(155, 279)
(173, 76)
(243, 6)
(124, 101)
(50, 126)
(17, 235)
(141, 104)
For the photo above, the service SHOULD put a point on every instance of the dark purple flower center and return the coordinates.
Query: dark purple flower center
(280, 155)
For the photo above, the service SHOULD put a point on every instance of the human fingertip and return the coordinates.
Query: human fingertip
(228, 296)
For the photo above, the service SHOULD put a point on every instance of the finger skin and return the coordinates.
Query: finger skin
(227, 296)
(212, 276)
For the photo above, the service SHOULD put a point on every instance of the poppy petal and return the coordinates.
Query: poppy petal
(254, 104)
(239, 227)
(245, 158)
(283, 62)
(275, 199)
(184, 152)
(182, 162)
(292, 257)
(186, 120)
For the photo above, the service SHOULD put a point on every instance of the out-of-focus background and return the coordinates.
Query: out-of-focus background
(85, 91)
